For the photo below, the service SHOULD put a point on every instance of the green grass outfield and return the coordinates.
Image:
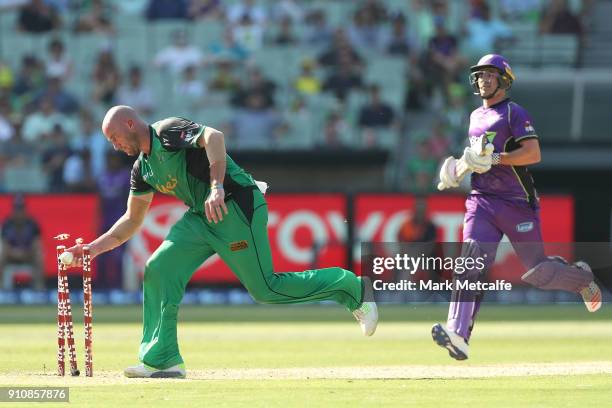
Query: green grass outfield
(315, 356)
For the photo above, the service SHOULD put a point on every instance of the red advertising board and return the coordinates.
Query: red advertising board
(380, 216)
(296, 223)
(76, 214)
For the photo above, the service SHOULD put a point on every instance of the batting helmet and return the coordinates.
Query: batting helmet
(497, 62)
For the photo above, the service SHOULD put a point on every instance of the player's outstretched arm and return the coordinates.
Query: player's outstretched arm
(125, 227)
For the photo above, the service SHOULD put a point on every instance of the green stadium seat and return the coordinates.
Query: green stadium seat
(206, 32)
(29, 178)
(273, 62)
(15, 45)
(524, 51)
(132, 49)
(159, 33)
(388, 72)
(540, 99)
(596, 114)
(558, 50)
(302, 128)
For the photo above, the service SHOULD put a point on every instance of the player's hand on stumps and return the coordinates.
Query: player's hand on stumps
(73, 256)
(215, 207)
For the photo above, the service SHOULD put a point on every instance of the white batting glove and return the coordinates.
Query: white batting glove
(448, 178)
(478, 163)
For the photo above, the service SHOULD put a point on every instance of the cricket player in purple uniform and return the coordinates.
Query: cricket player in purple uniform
(503, 200)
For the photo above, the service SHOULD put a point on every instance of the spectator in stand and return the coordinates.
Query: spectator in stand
(307, 83)
(248, 35)
(190, 88)
(256, 126)
(376, 10)
(224, 79)
(135, 93)
(339, 49)
(398, 41)
(364, 31)
(258, 85)
(7, 129)
(167, 9)
(29, 83)
(38, 17)
(58, 64)
(246, 8)
(39, 125)
(343, 79)
(54, 157)
(373, 116)
(418, 227)
(227, 49)
(335, 132)
(422, 169)
(95, 18)
(21, 243)
(291, 9)
(456, 116)
(421, 232)
(484, 34)
(90, 138)
(113, 188)
(557, 18)
(200, 10)
(76, 174)
(520, 10)
(376, 113)
(443, 57)
(7, 78)
(316, 30)
(17, 152)
(63, 101)
(179, 55)
(420, 22)
(286, 36)
(105, 78)
(438, 143)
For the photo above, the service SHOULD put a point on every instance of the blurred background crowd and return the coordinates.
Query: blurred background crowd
(330, 75)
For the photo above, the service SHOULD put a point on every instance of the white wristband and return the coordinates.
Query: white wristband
(495, 159)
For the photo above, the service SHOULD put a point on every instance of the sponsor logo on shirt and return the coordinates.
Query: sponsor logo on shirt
(169, 187)
(524, 226)
(528, 127)
(238, 246)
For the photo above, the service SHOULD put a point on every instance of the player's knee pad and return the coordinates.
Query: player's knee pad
(554, 273)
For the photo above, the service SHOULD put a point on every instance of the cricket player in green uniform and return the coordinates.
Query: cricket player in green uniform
(227, 215)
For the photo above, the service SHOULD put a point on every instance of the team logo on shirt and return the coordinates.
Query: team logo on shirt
(524, 226)
(169, 187)
(528, 127)
(477, 139)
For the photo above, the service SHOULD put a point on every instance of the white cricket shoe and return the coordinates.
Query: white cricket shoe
(367, 313)
(591, 294)
(144, 371)
(456, 345)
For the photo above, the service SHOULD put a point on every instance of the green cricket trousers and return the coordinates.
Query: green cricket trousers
(241, 240)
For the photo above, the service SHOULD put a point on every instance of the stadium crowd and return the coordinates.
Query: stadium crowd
(286, 74)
